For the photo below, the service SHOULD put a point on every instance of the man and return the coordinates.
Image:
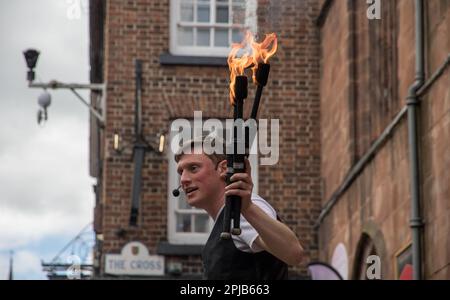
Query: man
(265, 246)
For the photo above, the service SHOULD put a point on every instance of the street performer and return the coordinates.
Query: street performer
(265, 246)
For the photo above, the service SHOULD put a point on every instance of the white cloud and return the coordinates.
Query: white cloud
(45, 187)
(44, 171)
(21, 229)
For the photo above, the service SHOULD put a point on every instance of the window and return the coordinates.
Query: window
(186, 224)
(208, 27)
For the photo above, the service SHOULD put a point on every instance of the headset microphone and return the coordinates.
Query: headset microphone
(176, 192)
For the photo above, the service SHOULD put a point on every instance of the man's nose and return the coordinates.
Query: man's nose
(185, 179)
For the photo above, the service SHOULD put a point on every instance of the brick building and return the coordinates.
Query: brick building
(367, 69)
(184, 75)
(337, 81)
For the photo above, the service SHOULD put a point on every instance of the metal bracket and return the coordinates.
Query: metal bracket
(99, 115)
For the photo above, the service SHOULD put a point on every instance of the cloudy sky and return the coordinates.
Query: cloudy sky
(46, 193)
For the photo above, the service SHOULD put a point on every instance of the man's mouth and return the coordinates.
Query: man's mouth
(190, 190)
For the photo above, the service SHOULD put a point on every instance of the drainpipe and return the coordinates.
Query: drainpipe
(416, 221)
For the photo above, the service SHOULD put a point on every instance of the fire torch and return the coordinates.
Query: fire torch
(238, 92)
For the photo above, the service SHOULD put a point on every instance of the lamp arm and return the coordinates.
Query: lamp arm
(73, 87)
(99, 117)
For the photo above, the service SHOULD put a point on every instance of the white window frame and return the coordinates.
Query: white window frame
(175, 49)
(191, 238)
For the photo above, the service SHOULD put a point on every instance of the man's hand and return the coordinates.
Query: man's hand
(274, 236)
(242, 185)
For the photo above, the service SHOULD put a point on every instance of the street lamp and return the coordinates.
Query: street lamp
(31, 57)
(44, 100)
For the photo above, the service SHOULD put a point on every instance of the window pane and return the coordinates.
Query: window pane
(187, 11)
(201, 223)
(203, 13)
(185, 36)
(222, 14)
(238, 36)
(203, 37)
(221, 38)
(184, 223)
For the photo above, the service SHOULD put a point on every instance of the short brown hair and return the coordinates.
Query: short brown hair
(199, 141)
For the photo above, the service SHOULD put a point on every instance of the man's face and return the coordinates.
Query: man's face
(200, 179)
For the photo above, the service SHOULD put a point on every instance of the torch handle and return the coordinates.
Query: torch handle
(235, 161)
(238, 164)
(235, 164)
(261, 76)
(255, 106)
(228, 210)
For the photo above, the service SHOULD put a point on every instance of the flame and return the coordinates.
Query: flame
(237, 65)
(261, 52)
(253, 53)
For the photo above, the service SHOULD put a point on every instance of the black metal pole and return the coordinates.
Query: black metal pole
(238, 163)
(138, 160)
(235, 161)
(138, 101)
(259, 90)
(228, 204)
(139, 147)
(261, 76)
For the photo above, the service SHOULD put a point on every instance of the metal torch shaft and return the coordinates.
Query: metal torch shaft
(228, 211)
(261, 76)
(235, 161)
(229, 200)
(238, 164)
(255, 106)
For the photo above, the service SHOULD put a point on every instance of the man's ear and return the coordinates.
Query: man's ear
(222, 168)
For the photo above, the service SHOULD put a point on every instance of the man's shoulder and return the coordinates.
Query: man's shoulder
(258, 199)
(263, 204)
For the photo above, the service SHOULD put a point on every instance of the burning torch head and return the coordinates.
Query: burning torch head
(241, 87)
(262, 74)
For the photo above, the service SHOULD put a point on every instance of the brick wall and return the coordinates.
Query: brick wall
(377, 203)
(435, 150)
(140, 29)
(334, 95)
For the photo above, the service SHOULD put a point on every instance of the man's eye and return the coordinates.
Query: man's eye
(194, 168)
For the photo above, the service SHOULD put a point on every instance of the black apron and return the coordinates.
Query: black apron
(223, 261)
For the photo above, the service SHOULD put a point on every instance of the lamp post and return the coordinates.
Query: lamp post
(31, 58)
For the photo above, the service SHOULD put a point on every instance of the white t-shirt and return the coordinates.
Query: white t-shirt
(245, 241)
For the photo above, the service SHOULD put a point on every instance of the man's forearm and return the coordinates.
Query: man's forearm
(276, 237)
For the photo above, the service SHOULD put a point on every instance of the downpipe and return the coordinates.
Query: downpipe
(416, 220)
